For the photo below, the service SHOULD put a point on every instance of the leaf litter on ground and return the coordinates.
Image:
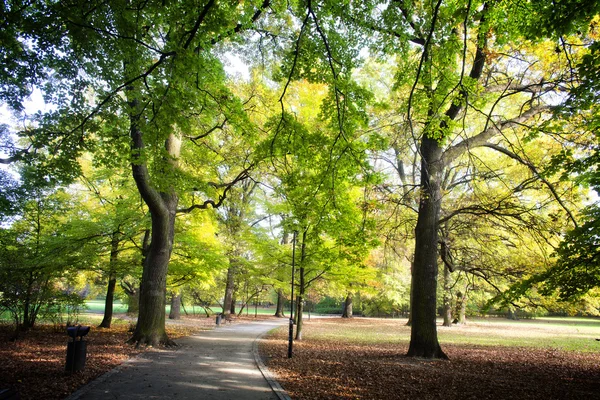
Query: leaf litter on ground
(359, 359)
(34, 365)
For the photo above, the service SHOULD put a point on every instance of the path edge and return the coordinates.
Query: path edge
(76, 395)
(267, 374)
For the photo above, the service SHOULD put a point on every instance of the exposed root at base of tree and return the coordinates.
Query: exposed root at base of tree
(152, 341)
(437, 354)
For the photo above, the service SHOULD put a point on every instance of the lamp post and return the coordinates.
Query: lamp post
(291, 332)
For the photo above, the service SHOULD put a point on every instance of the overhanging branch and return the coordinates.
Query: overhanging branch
(533, 169)
(210, 203)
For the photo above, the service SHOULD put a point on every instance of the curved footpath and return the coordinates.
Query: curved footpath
(220, 364)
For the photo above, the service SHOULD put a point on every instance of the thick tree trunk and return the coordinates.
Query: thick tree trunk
(423, 339)
(447, 298)
(150, 328)
(229, 288)
(348, 307)
(280, 303)
(233, 301)
(175, 312)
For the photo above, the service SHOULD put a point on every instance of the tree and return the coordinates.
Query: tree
(319, 178)
(150, 71)
(234, 220)
(112, 220)
(460, 52)
(36, 254)
(575, 271)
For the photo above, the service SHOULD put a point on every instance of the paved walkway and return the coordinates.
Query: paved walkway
(217, 364)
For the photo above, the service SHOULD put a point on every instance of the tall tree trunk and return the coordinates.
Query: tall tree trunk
(299, 318)
(301, 291)
(462, 308)
(150, 328)
(348, 306)
(233, 301)
(112, 281)
(280, 303)
(26, 323)
(108, 303)
(230, 287)
(175, 312)
(412, 267)
(423, 339)
(447, 298)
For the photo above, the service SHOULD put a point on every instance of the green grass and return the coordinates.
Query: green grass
(572, 334)
(97, 307)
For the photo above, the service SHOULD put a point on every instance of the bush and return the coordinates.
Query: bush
(329, 305)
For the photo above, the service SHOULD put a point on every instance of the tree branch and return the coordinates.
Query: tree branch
(533, 169)
(216, 204)
(481, 139)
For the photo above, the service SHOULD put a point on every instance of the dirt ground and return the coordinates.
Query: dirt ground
(328, 368)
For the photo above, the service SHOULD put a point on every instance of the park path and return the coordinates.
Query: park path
(218, 364)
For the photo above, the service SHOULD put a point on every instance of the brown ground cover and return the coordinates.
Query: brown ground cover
(34, 365)
(324, 366)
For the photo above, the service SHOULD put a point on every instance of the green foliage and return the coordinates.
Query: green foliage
(329, 305)
(35, 257)
(577, 270)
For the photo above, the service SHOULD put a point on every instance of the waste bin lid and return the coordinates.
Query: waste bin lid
(79, 330)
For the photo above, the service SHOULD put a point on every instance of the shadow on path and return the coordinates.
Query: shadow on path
(216, 364)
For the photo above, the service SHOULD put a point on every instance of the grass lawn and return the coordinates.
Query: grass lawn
(546, 358)
(97, 307)
(560, 333)
(576, 334)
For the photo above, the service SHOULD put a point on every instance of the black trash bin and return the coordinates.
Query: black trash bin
(76, 349)
(219, 316)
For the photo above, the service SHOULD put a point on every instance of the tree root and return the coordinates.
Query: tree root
(152, 341)
(437, 354)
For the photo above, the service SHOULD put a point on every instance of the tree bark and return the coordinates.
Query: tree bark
(228, 306)
(150, 328)
(299, 318)
(348, 306)
(133, 300)
(462, 313)
(280, 303)
(112, 281)
(233, 301)
(423, 339)
(412, 267)
(301, 291)
(108, 303)
(175, 312)
(447, 298)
